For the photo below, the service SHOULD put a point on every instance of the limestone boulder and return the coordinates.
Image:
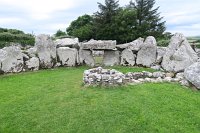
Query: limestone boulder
(11, 59)
(33, 64)
(147, 54)
(99, 45)
(86, 57)
(128, 58)
(111, 58)
(179, 54)
(46, 51)
(192, 74)
(66, 42)
(160, 53)
(31, 52)
(67, 56)
(134, 45)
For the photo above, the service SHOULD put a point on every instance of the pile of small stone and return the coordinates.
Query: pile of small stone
(100, 76)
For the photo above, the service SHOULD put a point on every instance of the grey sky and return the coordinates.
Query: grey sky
(47, 16)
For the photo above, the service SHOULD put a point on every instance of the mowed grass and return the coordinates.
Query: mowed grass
(55, 101)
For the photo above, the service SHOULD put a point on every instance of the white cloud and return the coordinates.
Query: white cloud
(39, 9)
(8, 20)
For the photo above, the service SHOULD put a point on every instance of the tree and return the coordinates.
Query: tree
(82, 28)
(125, 23)
(105, 20)
(60, 33)
(148, 19)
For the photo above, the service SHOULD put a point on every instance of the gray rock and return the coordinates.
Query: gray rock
(11, 59)
(99, 44)
(156, 67)
(128, 58)
(67, 56)
(160, 53)
(33, 64)
(111, 58)
(46, 51)
(85, 57)
(184, 82)
(66, 42)
(158, 74)
(179, 54)
(134, 45)
(147, 54)
(32, 52)
(192, 74)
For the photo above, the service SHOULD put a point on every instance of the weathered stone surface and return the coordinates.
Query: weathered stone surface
(11, 59)
(128, 58)
(179, 54)
(147, 54)
(67, 56)
(46, 51)
(99, 44)
(33, 64)
(192, 74)
(86, 57)
(111, 58)
(160, 53)
(100, 76)
(66, 42)
(32, 52)
(134, 45)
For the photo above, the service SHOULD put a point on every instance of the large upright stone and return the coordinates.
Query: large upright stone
(46, 51)
(11, 59)
(128, 58)
(134, 45)
(192, 74)
(111, 58)
(147, 54)
(67, 56)
(179, 54)
(99, 45)
(160, 53)
(86, 57)
(67, 42)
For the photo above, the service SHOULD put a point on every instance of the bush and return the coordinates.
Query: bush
(8, 36)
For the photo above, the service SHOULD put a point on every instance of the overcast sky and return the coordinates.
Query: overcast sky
(47, 16)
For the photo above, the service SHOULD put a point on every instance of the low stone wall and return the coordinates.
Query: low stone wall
(110, 77)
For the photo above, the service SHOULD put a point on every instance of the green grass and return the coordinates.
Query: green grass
(54, 101)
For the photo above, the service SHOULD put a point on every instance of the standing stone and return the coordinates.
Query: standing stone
(46, 51)
(101, 45)
(111, 58)
(11, 59)
(134, 45)
(33, 64)
(160, 53)
(147, 54)
(179, 54)
(128, 58)
(86, 57)
(67, 56)
(192, 74)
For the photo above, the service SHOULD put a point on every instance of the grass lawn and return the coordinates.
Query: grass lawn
(54, 101)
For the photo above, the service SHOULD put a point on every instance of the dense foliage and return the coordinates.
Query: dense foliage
(124, 24)
(60, 33)
(82, 28)
(9, 36)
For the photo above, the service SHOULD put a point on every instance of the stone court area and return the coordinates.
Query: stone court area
(178, 57)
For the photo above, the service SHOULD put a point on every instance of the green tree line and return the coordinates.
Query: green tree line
(9, 36)
(124, 24)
